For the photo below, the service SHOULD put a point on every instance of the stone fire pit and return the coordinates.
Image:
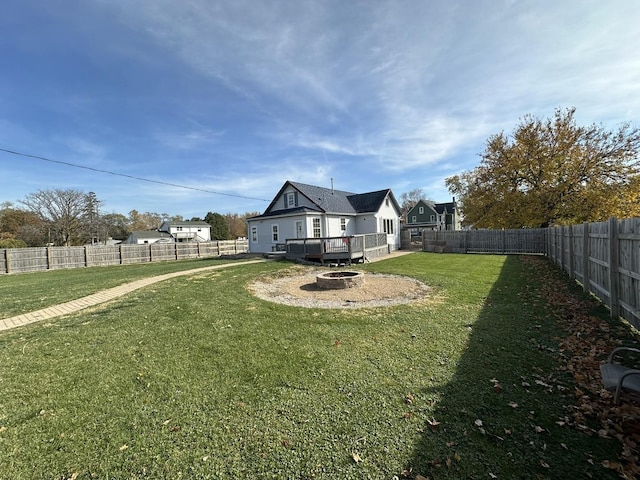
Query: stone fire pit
(339, 280)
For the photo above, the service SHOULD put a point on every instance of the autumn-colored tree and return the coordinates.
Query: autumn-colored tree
(237, 225)
(144, 221)
(22, 225)
(552, 172)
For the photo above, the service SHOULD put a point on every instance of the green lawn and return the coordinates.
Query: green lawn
(22, 293)
(196, 378)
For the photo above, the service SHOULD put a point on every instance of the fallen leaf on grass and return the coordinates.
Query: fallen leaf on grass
(356, 457)
(123, 448)
(433, 423)
(406, 472)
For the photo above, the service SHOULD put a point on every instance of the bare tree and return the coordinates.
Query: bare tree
(62, 210)
(408, 200)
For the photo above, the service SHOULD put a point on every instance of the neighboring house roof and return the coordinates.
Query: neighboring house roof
(150, 234)
(440, 208)
(444, 207)
(328, 200)
(187, 223)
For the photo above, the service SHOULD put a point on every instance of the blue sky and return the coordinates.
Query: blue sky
(236, 97)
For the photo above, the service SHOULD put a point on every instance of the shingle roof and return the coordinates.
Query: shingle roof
(187, 223)
(150, 234)
(288, 211)
(327, 199)
(339, 201)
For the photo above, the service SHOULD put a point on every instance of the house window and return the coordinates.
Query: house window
(343, 224)
(386, 201)
(316, 228)
(290, 200)
(274, 233)
(421, 210)
(254, 234)
(433, 218)
(414, 219)
(387, 225)
(179, 229)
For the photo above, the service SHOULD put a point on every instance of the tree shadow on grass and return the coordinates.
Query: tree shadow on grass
(504, 413)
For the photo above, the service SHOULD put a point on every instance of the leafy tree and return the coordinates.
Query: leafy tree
(62, 210)
(219, 226)
(237, 225)
(145, 221)
(9, 242)
(552, 172)
(115, 225)
(22, 225)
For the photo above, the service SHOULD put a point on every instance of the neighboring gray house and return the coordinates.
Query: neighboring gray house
(141, 237)
(306, 211)
(187, 231)
(427, 215)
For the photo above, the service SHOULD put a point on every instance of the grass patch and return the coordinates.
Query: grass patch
(22, 293)
(195, 377)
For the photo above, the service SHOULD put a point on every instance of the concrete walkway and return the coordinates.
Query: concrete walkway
(106, 295)
(102, 297)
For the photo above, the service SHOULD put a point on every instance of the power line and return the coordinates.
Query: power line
(133, 177)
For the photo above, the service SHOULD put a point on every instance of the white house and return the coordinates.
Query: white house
(306, 211)
(187, 231)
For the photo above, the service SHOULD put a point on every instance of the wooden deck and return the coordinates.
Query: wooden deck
(347, 250)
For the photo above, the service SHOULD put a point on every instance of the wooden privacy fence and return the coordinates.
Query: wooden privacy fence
(22, 260)
(532, 240)
(605, 258)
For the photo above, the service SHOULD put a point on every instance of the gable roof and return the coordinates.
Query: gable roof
(187, 223)
(328, 200)
(439, 208)
(150, 234)
(425, 203)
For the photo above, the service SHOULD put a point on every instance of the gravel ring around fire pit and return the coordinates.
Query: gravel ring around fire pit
(299, 288)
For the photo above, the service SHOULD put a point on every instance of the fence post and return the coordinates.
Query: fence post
(48, 251)
(120, 253)
(571, 259)
(86, 256)
(586, 246)
(151, 253)
(613, 267)
(562, 248)
(175, 244)
(7, 260)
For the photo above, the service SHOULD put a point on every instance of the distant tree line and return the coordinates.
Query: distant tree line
(68, 217)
